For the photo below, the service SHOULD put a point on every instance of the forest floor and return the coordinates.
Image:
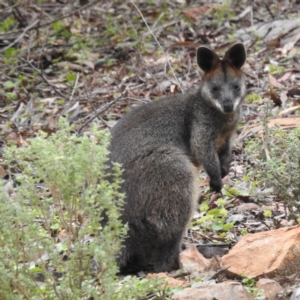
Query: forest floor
(96, 61)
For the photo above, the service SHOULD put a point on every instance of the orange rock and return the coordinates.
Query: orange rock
(221, 291)
(191, 260)
(266, 252)
(269, 286)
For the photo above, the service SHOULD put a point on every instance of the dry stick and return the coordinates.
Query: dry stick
(266, 148)
(223, 270)
(168, 62)
(43, 76)
(74, 87)
(20, 36)
(101, 110)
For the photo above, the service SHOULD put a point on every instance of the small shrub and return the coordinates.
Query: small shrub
(276, 164)
(52, 244)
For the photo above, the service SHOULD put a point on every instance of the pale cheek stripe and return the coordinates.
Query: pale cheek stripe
(237, 102)
(218, 105)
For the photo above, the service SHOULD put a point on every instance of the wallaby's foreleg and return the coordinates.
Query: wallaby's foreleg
(225, 158)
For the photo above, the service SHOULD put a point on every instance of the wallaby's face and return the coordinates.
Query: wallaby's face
(223, 83)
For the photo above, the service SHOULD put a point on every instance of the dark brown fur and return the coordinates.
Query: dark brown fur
(161, 146)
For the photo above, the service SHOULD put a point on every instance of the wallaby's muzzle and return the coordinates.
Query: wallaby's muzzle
(228, 106)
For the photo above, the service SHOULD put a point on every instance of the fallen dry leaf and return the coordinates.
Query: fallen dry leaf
(203, 182)
(194, 13)
(289, 110)
(2, 172)
(274, 82)
(285, 77)
(285, 122)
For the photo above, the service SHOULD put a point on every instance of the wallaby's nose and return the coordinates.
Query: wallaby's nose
(228, 105)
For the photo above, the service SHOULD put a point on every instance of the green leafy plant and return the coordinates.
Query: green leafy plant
(276, 164)
(10, 56)
(222, 12)
(254, 98)
(53, 241)
(7, 24)
(277, 69)
(214, 218)
(249, 284)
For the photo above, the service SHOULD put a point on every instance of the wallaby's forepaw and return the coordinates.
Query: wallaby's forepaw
(216, 184)
(224, 171)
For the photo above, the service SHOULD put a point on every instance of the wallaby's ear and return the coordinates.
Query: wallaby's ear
(206, 59)
(236, 55)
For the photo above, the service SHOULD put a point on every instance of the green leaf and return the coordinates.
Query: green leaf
(54, 226)
(227, 226)
(215, 212)
(268, 213)
(217, 226)
(71, 77)
(9, 84)
(204, 206)
(61, 101)
(11, 96)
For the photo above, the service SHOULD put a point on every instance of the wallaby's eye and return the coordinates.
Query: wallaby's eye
(214, 88)
(236, 87)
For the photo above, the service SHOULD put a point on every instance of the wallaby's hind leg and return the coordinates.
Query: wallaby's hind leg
(167, 255)
(160, 199)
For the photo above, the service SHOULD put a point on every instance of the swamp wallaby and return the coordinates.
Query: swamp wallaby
(161, 146)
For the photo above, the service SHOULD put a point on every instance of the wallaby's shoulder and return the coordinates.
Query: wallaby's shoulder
(167, 110)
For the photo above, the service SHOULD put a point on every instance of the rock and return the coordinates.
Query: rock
(211, 250)
(296, 293)
(172, 282)
(246, 206)
(268, 253)
(190, 260)
(269, 286)
(222, 291)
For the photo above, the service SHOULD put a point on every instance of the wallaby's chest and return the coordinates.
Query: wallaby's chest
(226, 131)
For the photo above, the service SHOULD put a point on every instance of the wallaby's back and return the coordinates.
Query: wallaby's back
(161, 146)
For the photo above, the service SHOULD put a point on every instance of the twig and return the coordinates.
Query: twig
(168, 62)
(219, 273)
(20, 36)
(266, 149)
(43, 76)
(180, 275)
(101, 110)
(269, 11)
(74, 87)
